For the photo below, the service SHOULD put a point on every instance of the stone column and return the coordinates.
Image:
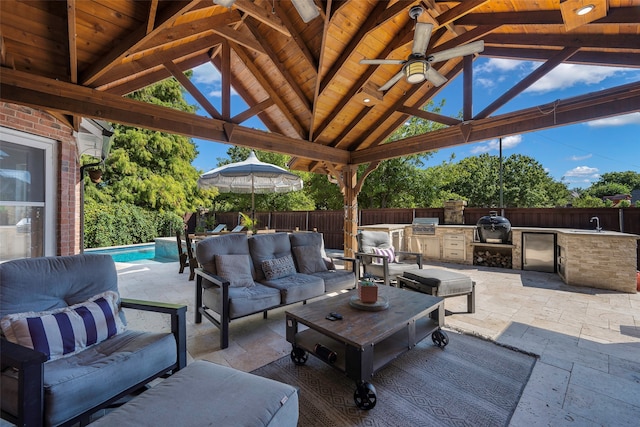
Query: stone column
(454, 211)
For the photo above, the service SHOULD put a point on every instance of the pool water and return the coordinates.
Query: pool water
(128, 253)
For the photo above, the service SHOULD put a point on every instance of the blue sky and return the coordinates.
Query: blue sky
(576, 154)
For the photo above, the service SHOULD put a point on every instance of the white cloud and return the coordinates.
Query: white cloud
(626, 119)
(486, 83)
(494, 144)
(584, 172)
(499, 65)
(569, 75)
(580, 158)
(206, 74)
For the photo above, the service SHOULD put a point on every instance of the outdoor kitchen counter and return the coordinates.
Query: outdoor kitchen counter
(603, 260)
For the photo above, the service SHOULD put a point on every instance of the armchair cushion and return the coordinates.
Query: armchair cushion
(309, 259)
(237, 269)
(278, 268)
(66, 331)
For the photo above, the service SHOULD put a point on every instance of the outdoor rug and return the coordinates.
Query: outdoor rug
(472, 382)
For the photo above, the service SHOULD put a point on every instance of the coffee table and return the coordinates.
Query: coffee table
(364, 341)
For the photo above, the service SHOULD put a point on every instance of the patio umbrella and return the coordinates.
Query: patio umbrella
(250, 176)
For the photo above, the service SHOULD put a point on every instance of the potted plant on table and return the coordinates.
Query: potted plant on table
(368, 290)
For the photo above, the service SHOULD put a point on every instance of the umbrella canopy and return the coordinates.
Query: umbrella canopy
(250, 176)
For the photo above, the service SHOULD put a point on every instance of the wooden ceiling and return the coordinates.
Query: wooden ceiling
(304, 81)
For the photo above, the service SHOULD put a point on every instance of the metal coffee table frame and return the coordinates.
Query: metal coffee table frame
(364, 342)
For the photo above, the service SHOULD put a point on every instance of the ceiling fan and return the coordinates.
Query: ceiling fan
(417, 67)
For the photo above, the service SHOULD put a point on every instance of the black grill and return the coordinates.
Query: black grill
(494, 229)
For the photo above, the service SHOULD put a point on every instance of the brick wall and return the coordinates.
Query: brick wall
(42, 124)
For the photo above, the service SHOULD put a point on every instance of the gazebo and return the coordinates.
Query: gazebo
(299, 67)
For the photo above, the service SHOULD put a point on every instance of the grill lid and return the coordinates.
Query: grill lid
(424, 225)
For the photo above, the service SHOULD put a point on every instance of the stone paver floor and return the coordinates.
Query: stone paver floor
(587, 340)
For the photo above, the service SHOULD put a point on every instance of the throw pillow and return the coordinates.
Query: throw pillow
(65, 331)
(309, 259)
(278, 268)
(388, 252)
(236, 269)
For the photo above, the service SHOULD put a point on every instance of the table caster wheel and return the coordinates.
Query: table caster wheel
(365, 396)
(440, 338)
(299, 356)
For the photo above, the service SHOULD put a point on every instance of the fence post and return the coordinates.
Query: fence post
(306, 227)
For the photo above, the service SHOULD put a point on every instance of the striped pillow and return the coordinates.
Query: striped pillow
(389, 252)
(66, 331)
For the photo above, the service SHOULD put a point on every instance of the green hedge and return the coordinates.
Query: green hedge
(123, 224)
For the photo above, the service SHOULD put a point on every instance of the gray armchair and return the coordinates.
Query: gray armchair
(378, 265)
(91, 358)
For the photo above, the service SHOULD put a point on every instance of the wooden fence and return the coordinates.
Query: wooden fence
(331, 223)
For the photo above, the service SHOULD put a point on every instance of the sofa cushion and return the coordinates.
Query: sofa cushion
(243, 301)
(237, 269)
(267, 246)
(226, 244)
(337, 280)
(309, 259)
(297, 287)
(66, 331)
(278, 268)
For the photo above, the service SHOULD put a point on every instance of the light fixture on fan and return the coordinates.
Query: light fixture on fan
(416, 71)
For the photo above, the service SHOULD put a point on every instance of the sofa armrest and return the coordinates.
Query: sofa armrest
(30, 366)
(352, 260)
(223, 310)
(178, 322)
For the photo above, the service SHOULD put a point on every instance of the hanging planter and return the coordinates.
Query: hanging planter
(95, 175)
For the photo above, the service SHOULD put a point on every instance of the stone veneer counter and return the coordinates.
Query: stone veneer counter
(603, 260)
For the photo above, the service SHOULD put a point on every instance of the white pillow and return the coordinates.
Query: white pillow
(66, 331)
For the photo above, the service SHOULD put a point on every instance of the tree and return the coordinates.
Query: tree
(153, 169)
(398, 182)
(525, 182)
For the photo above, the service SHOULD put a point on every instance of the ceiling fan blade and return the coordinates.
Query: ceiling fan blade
(464, 50)
(382, 61)
(435, 77)
(421, 38)
(391, 81)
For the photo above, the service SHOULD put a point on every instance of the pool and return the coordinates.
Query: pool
(145, 251)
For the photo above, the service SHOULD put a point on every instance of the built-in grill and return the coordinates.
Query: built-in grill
(493, 228)
(424, 225)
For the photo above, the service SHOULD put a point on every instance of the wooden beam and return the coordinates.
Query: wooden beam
(370, 24)
(255, 109)
(619, 15)
(456, 12)
(192, 89)
(612, 59)
(610, 102)
(73, 41)
(226, 80)
(273, 94)
(295, 35)
(326, 16)
(535, 75)
(284, 71)
(467, 87)
(48, 94)
(135, 39)
(261, 14)
(151, 18)
(623, 42)
(428, 115)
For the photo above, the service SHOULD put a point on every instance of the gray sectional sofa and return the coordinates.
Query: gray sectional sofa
(242, 275)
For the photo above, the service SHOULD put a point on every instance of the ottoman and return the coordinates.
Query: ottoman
(205, 393)
(440, 283)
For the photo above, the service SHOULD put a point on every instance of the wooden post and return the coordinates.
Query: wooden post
(350, 192)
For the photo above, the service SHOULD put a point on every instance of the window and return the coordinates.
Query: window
(27, 195)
